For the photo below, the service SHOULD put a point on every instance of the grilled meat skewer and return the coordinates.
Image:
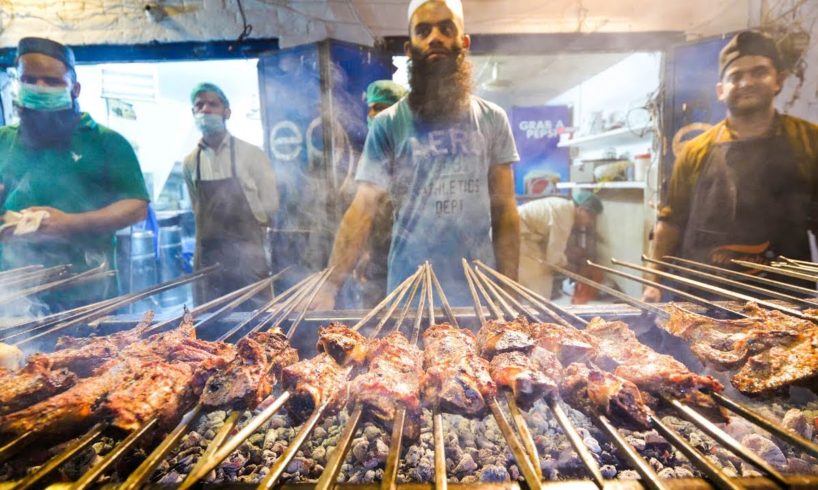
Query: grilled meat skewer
(525, 376)
(497, 337)
(456, 379)
(392, 381)
(313, 382)
(33, 383)
(343, 344)
(249, 378)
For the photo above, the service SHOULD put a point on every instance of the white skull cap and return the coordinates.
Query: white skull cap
(456, 6)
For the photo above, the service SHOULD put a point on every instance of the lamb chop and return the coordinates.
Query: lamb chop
(311, 382)
(249, 378)
(33, 383)
(595, 391)
(456, 378)
(82, 355)
(496, 337)
(570, 344)
(342, 344)
(621, 353)
(392, 381)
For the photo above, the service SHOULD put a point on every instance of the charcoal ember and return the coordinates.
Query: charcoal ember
(638, 443)
(278, 421)
(320, 454)
(360, 447)
(171, 479)
(608, 471)
(381, 450)
(319, 433)
(424, 472)
(739, 428)
(656, 464)
(656, 442)
(300, 465)
(413, 455)
(682, 472)
(466, 465)
(766, 449)
(494, 474)
(592, 444)
(799, 466)
(667, 473)
(796, 421)
(231, 466)
(627, 475)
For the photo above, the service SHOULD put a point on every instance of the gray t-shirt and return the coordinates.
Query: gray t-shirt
(437, 176)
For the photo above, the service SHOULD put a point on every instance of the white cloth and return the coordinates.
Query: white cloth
(456, 6)
(545, 227)
(253, 170)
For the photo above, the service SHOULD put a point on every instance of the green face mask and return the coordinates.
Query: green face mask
(46, 99)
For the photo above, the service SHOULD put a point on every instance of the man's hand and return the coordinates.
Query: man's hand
(651, 295)
(325, 299)
(58, 224)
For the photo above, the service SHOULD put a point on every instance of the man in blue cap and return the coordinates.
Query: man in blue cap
(233, 191)
(545, 228)
(59, 160)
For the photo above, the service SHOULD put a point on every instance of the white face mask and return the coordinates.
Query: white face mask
(210, 124)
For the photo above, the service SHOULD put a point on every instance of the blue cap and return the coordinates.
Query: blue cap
(384, 92)
(209, 87)
(588, 201)
(47, 47)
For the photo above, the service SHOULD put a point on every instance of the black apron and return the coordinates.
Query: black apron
(750, 203)
(227, 233)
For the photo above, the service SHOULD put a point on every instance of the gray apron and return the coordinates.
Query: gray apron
(227, 233)
(750, 203)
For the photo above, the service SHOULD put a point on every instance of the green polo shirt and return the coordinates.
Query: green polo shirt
(98, 169)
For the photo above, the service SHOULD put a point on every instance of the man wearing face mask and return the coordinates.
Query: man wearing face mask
(233, 191)
(443, 155)
(59, 160)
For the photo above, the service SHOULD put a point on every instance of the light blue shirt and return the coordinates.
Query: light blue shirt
(437, 177)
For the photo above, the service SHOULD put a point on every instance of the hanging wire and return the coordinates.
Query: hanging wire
(246, 28)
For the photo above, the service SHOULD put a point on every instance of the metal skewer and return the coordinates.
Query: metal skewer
(678, 292)
(4, 275)
(716, 290)
(75, 447)
(10, 448)
(731, 282)
(777, 270)
(749, 277)
(92, 274)
(645, 470)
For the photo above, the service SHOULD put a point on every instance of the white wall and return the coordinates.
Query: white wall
(164, 131)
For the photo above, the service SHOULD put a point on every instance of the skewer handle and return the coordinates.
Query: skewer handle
(649, 477)
(576, 442)
(441, 480)
(337, 456)
(390, 473)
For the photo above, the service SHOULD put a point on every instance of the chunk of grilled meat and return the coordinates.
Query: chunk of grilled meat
(77, 407)
(70, 410)
(726, 344)
(593, 390)
(456, 379)
(343, 344)
(312, 382)
(496, 337)
(795, 362)
(33, 383)
(159, 389)
(570, 344)
(658, 374)
(392, 381)
(82, 355)
(250, 377)
(519, 373)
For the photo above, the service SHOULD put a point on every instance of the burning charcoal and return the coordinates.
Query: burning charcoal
(628, 475)
(766, 449)
(413, 455)
(592, 444)
(667, 473)
(796, 421)
(608, 471)
(657, 466)
(371, 432)
(682, 472)
(320, 454)
(636, 442)
(278, 421)
(359, 449)
(466, 465)
(299, 465)
(494, 474)
(739, 428)
(319, 433)
(799, 466)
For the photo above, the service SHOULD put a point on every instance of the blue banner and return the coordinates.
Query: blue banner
(537, 131)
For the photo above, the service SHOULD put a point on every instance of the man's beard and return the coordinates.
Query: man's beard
(48, 129)
(441, 89)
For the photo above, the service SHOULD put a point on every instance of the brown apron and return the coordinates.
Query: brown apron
(750, 203)
(227, 233)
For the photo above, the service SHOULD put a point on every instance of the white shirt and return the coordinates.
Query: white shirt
(254, 172)
(546, 224)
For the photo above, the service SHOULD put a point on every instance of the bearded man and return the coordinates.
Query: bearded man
(746, 188)
(444, 157)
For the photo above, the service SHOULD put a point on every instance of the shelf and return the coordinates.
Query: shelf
(601, 185)
(610, 138)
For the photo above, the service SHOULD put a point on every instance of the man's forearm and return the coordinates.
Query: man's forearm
(666, 240)
(352, 236)
(112, 217)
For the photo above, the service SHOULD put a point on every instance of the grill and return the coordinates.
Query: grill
(596, 448)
